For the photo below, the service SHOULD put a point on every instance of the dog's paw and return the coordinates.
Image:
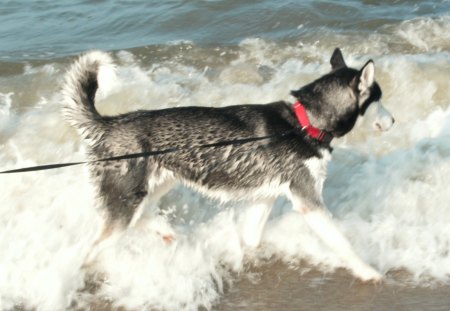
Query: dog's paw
(369, 275)
(168, 238)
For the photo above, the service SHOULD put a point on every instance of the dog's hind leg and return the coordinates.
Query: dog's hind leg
(155, 193)
(254, 221)
(320, 222)
(115, 224)
(145, 211)
(121, 193)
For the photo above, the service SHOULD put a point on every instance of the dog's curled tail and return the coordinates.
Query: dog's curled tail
(79, 89)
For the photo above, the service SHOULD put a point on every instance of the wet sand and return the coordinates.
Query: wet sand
(281, 288)
(277, 287)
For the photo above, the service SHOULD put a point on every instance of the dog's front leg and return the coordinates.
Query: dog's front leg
(320, 222)
(253, 221)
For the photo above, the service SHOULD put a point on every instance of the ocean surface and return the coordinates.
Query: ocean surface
(389, 193)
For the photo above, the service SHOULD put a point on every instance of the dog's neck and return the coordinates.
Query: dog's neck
(312, 131)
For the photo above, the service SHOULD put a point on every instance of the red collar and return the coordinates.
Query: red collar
(312, 131)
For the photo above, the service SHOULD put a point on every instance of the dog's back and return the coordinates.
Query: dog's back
(232, 171)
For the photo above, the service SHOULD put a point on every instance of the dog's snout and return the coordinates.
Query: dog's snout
(384, 124)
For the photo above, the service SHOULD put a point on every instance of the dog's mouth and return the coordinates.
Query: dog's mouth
(379, 127)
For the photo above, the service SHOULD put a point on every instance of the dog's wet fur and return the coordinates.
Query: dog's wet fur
(258, 172)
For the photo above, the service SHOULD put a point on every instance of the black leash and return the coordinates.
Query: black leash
(151, 153)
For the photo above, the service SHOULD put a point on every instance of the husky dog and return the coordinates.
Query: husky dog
(292, 161)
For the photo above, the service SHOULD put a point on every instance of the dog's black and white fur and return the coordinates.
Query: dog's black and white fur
(257, 172)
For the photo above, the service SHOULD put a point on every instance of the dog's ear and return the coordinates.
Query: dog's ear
(296, 94)
(366, 76)
(337, 60)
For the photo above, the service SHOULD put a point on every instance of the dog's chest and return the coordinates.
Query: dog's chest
(318, 169)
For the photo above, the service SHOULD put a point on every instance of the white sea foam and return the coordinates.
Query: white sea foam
(426, 33)
(5, 103)
(388, 192)
(5, 111)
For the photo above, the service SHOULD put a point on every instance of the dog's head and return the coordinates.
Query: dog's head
(336, 100)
